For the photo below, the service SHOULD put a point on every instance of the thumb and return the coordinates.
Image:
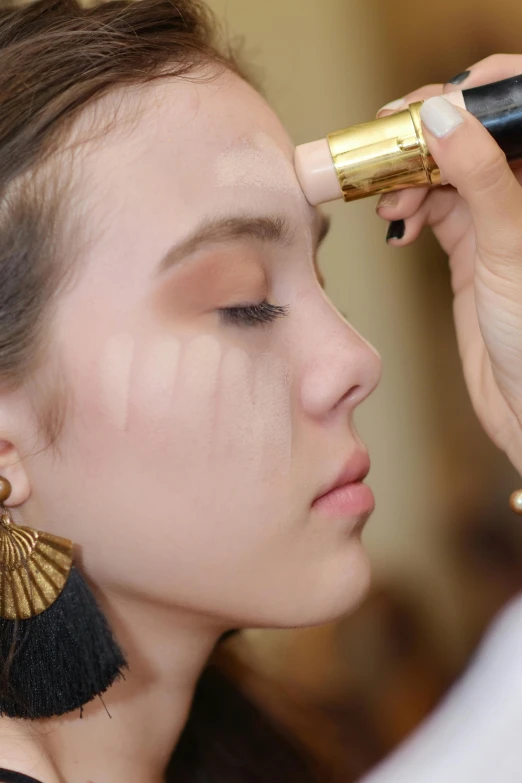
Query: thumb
(471, 160)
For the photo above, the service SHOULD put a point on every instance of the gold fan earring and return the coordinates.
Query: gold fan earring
(57, 651)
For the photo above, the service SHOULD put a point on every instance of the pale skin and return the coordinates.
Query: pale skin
(192, 446)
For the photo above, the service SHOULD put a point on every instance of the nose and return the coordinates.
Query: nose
(340, 368)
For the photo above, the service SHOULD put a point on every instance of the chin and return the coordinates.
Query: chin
(341, 588)
(340, 602)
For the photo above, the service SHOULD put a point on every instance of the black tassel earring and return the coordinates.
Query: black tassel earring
(57, 651)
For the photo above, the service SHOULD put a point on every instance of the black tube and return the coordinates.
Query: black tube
(498, 106)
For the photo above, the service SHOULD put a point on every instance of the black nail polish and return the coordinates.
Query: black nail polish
(396, 230)
(459, 78)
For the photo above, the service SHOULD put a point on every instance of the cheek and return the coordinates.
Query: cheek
(254, 416)
(204, 418)
(174, 387)
(181, 447)
(114, 380)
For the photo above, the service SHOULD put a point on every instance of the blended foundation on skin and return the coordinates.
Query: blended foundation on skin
(271, 411)
(235, 402)
(116, 365)
(254, 408)
(197, 387)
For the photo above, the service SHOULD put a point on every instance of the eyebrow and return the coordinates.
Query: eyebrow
(268, 229)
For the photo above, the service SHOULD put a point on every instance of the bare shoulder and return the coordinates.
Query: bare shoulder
(22, 754)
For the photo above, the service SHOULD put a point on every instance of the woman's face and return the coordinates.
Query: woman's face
(201, 421)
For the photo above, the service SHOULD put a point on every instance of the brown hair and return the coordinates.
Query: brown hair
(57, 57)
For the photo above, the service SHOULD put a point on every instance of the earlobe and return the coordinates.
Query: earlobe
(13, 469)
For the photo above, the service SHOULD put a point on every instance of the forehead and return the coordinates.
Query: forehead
(190, 147)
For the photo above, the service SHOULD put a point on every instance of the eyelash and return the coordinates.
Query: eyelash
(253, 315)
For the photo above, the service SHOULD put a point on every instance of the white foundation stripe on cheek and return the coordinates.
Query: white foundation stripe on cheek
(159, 373)
(198, 381)
(116, 367)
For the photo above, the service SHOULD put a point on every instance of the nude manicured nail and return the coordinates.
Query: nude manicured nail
(388, 200)
(393, 106)
(440, 117)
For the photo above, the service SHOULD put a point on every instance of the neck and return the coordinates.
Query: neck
(166, 650)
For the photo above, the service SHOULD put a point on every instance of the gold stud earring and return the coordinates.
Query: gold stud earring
(515, 501)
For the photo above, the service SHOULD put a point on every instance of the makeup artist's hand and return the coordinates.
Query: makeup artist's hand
(478, 222)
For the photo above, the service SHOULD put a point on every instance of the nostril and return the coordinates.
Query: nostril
(353, 395)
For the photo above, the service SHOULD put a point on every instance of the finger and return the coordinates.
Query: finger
(444, 211)
(491, 69)
(474, 164)
(418, 95)
(436, 207)
(401, 204)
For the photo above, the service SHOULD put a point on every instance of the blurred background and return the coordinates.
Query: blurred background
(446, 550)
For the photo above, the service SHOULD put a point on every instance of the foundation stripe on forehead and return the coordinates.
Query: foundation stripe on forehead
(115, 378)
(257, 161)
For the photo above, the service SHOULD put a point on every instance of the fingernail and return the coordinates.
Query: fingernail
(440, 116)
(459, 78)
(396, 230)
(388, 200)
(393, 106)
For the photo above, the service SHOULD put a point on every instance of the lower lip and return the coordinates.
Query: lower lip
(351, 500)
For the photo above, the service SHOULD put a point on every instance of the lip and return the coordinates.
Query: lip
(353, 472)
(347, 495)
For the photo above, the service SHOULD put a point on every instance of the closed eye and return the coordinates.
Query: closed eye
(253, 315)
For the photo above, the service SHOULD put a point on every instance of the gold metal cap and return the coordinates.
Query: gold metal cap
(387, 154)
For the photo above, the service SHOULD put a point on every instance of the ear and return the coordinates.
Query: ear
(13, 469)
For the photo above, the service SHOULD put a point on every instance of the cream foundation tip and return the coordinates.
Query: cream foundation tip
(316, 172)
